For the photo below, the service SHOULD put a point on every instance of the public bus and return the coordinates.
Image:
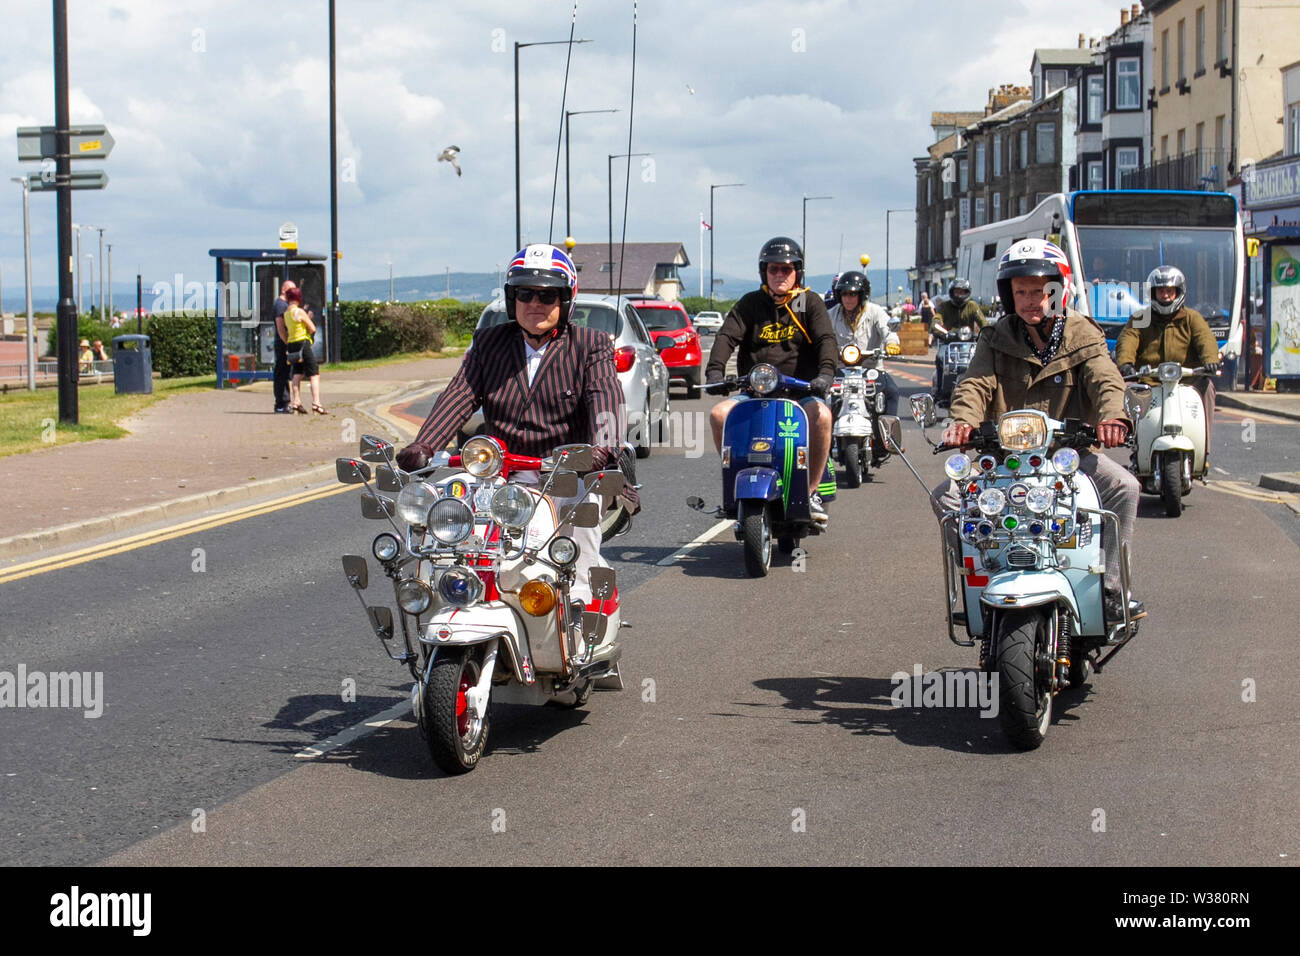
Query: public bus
(1113, 239)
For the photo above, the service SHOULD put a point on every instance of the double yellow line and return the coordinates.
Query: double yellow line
(144, 539)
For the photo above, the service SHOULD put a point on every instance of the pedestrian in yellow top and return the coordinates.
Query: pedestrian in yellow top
(298, 352)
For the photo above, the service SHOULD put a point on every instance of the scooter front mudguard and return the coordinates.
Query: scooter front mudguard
(757, 484)
(1014, 589)
(458, 627)
(1172, 443)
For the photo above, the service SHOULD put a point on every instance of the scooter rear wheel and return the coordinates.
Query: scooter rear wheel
(756, 535)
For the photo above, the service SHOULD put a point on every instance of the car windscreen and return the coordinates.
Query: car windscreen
(662, 320)
(592, 316)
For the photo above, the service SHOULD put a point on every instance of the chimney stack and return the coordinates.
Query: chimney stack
(1123, 17)
(1133, 14)
(1081, 40)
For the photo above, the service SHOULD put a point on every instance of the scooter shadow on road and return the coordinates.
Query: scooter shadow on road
(864, 706)
(398, 750)
(725, 559)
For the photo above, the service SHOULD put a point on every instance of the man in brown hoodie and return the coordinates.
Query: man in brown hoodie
(1044, 355)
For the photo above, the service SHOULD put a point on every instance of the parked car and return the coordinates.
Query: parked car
(685, 358)
(641, 371)
(708, 321)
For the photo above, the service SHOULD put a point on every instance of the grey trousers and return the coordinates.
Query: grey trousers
(1117, 488)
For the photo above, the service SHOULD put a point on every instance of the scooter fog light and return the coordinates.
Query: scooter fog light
(414, 501)
(991, 502)
(1011, 522)
(1036, 528)
(986, 528)
(988, 463)
(1040, 500)
(512, 506)
(414, 596)
(451, 521)
(957, 467)
(459, 587)
(386, 547)
(564, 551)
(1066, 461)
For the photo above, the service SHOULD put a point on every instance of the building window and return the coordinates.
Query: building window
(1096, 175)
(979, 210)
(1038, 88)
(997, 206)
(1164, 59)
(1055, 80)
(963, 175)
(1200, 40)
(1164, 146)
(1220, 31)
(1293, 130)
(1128, 85)
(1126, 158)
(1182, 46)
(1200, 137)
(1045, 143)
(1096, 97)
(947, 188)
(1218, 131)
(997, 155)
(1182, 141)
(979, 161)
(1024, 148)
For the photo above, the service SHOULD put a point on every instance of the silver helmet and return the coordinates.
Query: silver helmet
(1165, 277)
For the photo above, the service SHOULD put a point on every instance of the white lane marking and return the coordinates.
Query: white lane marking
(1220, 470)
(709, 535)
(355, 731)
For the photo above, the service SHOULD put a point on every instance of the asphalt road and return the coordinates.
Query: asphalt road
(756, 726)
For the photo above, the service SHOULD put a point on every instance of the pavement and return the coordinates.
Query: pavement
(192, 453)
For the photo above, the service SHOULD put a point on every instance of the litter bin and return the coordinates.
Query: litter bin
(132, 364)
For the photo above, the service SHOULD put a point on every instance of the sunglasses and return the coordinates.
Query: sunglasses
(779, 267)
(544, 296)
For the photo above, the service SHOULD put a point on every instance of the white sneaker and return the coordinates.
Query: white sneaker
(818, 511)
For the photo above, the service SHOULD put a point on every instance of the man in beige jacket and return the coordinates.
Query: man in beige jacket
(1045, 356)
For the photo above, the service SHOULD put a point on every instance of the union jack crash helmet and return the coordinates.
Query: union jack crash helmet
(542, 266)
(1034, 257)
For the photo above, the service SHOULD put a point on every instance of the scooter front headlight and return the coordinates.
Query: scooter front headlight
(763, 379)
(850, 354)
(413, 596)
(414, 501)
(991, 502)
(1170, 371)
(451, 521)
(460, 587)
(482, 457)
(511, 506)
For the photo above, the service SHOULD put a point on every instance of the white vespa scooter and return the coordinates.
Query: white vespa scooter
(1169, 441)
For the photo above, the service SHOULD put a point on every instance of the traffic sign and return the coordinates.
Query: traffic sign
(92, 179)
(288, 236)
(36, 143)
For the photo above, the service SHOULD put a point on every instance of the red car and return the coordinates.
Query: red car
(685, 359)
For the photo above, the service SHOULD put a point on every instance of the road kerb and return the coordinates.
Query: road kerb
(1229, 400)
(1281, 482)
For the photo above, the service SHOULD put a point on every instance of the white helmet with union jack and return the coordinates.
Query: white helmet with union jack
(542, 266)
(1034, 257)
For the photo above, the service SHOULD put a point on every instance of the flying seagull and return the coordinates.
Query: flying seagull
(449, 155)
(690, 89)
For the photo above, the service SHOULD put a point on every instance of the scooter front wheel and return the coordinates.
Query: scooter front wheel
(1171, 483)
(756, 535)
(1024, 691)
(455, 733)
(852, 461)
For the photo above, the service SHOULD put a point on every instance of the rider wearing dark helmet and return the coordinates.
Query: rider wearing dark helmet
(1168, 331)
(786, 325)
(856, 320)
(954, 312)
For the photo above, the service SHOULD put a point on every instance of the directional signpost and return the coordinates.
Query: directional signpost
(91, 179)
(36, 143)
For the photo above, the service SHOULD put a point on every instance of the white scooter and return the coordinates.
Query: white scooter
(1169, 441)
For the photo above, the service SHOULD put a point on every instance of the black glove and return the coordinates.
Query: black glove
(413, 457)
(713, 379)
(1212, 368)
(821, 385)
(1127, 369)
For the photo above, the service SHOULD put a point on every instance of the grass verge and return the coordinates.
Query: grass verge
(30, 420)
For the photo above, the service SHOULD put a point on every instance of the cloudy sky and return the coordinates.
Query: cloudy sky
(219, 109)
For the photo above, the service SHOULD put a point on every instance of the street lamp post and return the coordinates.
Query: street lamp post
(568, 226)
(90, 272)
(110, 281)
(77, 260)
(27, 267)
(803, 236)
(713, 227)
(519, 46)
(609, 178)
(101, 272)
(888, 213)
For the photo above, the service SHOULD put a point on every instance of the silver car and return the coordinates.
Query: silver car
(640, 369)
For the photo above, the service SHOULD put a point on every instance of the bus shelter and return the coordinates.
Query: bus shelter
(248, 282)
(1281, 260)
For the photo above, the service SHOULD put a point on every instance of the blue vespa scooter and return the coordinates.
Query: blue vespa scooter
(765, 484)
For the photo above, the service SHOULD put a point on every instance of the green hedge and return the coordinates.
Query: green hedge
(90, 329)
(376, 329)
(695, 304)
(183, 344)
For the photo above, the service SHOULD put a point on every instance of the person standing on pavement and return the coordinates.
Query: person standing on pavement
(280, 380)
(302, 361)
(1168, 331)
(785, 325)
(1044, 355)
(927, 309)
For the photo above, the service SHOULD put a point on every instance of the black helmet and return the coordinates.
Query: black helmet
(853, 282)
(959, 290)
(1165, 277)
(781, 249)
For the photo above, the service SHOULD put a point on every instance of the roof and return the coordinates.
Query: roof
(954, 118)
(638, 269)
(1007, 113)
(1070, 56)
